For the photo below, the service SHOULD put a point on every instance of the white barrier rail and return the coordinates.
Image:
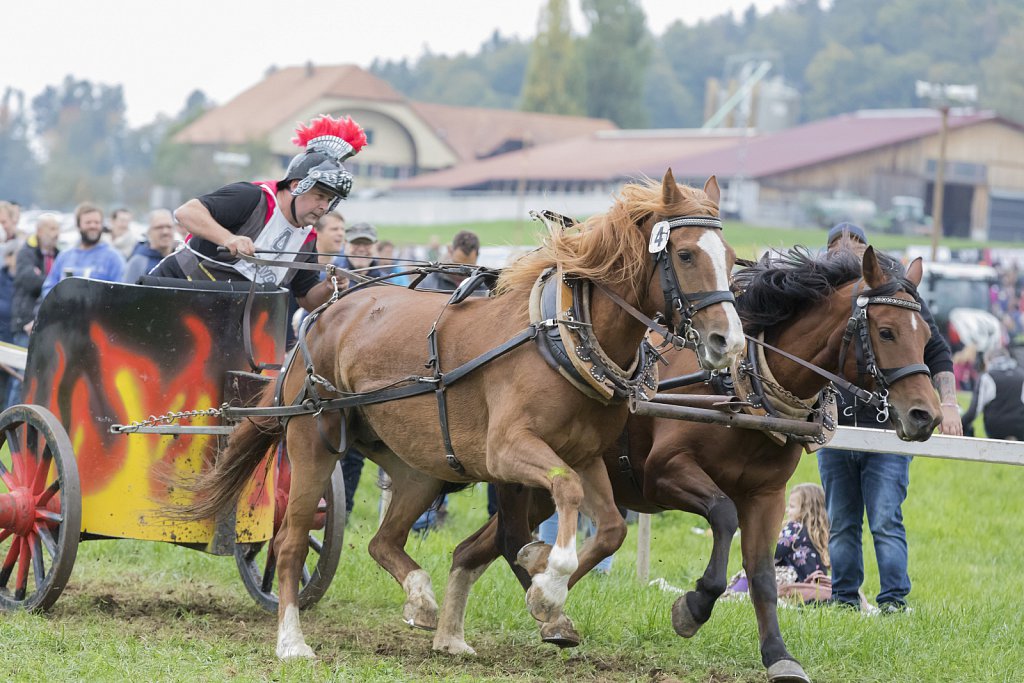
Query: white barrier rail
(881, 441)
(938, 446)
(13, 356)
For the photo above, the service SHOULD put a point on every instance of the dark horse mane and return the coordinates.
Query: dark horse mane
(783, 283)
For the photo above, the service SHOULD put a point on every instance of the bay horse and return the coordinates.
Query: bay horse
(734, 477)
(513, 419)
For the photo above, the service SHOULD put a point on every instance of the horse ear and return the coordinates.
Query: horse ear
(872, 272)
(712, 190)
(670, 194)
(915, 271)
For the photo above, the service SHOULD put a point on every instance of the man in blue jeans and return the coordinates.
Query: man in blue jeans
(857, 481)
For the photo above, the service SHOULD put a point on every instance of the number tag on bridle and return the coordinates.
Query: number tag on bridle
(659, 236)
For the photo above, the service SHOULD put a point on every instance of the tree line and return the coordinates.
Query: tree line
(853, 54)
(71, 142)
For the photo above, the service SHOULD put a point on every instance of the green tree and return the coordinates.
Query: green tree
(616, 54)
(1002, 85)
(82, 128)
(19, 169)
(554, 81)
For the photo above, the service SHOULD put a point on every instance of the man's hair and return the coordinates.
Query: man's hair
(84, 208)
(385, 243)
(117, 212)
(48, 218)
(331, 214)
(466, 241)
(159, 212)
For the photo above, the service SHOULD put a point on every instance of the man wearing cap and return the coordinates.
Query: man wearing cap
(360, 253)
(271, 220)
(856, 482)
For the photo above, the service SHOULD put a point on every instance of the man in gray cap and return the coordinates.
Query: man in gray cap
(360, 255)
(360, 251)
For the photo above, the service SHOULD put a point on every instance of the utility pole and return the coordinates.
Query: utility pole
(941, 94)
(940, 184)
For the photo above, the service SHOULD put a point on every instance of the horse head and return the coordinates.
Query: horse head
(692, 263)
(898, 335)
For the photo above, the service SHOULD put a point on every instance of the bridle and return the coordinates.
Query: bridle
(687, 304)
(867, 362)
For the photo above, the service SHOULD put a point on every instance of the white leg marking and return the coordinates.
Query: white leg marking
(290, 641)
(451, 635)
(420, 600)
(553, 582)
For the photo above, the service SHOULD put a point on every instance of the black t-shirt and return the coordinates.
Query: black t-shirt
(231, 206)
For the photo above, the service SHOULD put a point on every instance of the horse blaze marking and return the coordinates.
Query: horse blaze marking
(556, 472)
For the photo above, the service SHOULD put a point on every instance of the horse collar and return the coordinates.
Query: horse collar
(572, 349)
(754, 383)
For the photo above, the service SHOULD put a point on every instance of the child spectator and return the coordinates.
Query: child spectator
(801, 554)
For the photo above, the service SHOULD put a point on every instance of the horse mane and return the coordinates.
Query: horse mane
(608, 247)
(783, 282)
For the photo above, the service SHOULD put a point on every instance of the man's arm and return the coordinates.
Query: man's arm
(319, 294)
(197, 218)
(945, 383)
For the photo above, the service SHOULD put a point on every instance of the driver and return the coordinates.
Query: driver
(273, 218)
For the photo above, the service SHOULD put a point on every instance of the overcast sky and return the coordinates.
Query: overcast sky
(160, 52)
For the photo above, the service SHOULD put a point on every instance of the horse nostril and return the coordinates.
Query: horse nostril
(921, 416)
(716, 342)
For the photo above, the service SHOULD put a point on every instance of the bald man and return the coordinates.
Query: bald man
(161, 238)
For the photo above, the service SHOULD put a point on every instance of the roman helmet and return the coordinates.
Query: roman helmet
(327, 142)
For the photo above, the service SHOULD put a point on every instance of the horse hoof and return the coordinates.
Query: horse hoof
(533, 557)
(453, 646)
(787, 671)
(421, 618)
(295, 651)
(682, 619)
(560, 632)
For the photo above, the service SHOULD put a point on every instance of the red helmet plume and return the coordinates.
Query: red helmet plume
(325, 132)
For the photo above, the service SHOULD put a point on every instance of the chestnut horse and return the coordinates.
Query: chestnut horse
(513, 419)
(734, 477)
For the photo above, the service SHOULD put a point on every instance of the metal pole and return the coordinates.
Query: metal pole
(643, 548)
(940, 184)
(743, 421)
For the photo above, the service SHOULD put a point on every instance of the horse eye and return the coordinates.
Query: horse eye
(685, 256)
(886, 334)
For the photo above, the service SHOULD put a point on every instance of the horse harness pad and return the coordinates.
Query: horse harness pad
(753, 382)
(571, 349)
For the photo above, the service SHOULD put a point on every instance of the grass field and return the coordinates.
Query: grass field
(137, 611)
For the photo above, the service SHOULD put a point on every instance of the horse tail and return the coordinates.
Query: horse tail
(218, 488)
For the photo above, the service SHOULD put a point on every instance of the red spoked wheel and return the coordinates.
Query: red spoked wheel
(40, 508)
(257, 563)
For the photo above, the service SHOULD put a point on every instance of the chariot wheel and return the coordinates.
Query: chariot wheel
(257, 563)
(40, 508)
